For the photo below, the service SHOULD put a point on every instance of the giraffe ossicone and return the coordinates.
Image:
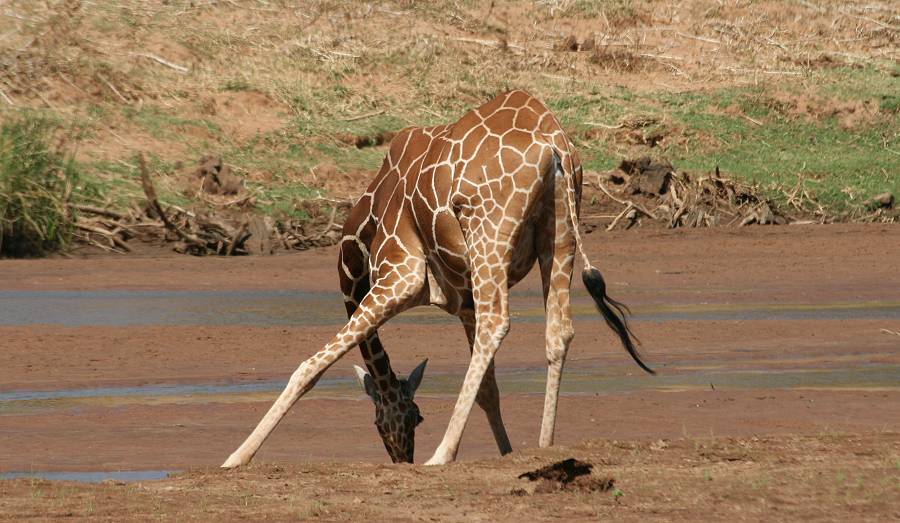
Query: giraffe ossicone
(458, 214)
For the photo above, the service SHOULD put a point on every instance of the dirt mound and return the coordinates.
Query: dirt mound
(569, 474)
(244, 114)
(361, 140)
(216, 177)
(849, 113)
(638, 129)
(620, 60)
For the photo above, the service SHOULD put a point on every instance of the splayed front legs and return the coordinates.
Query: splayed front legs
(391, 295)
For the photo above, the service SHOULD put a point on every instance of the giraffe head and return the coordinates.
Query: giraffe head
(396, 414)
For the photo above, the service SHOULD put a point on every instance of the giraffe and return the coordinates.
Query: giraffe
(457, 215)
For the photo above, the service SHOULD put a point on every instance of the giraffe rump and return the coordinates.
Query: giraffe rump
(613, 312)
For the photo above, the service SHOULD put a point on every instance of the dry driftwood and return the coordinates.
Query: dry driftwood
(678, 199)
(217, 226)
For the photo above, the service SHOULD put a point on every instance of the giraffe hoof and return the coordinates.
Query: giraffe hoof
(438, 459)
(232, 462)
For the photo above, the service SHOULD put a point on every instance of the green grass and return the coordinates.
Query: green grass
(159, 124)
(841, 166)
(36, 182)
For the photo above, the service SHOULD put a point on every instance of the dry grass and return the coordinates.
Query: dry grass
(277, 87)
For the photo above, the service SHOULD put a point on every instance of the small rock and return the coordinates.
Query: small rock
(562, 471)
(569, 44)
(587, 45)
(648, 177)
(884, 200)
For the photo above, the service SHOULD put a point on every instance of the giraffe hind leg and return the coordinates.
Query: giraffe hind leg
(556, 255)
(394, 292)
(488, 397)
(492, 324)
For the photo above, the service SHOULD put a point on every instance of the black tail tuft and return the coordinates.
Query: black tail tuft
(613, 312)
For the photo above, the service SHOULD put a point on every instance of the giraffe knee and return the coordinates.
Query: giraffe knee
(492, 329)
(558, 343)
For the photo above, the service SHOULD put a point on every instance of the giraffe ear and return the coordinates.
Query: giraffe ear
(415, 377)
(365, 381)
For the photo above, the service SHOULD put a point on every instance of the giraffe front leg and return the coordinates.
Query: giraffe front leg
(393, 293)
(488, 397)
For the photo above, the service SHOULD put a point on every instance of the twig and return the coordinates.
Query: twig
(72, 84)
(872, 20)
(106, 234)
(699, 38)
(888, 331)
(150, 192)
(605, 126)
(763, 71)
(625, 202)
(238, 236)
(328, 227)
(97, 210)
(490, 43)
(362, 116)
(158, 59)
(86, 238)
(44, 99)
(7, 98)
(751, 120)
(112, 87)
(628, 208)
(237, 201)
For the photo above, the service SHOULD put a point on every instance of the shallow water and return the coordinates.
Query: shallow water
(444, 385)
(91, 476)
(268, 308)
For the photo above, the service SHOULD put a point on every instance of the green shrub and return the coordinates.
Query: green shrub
(35, 182)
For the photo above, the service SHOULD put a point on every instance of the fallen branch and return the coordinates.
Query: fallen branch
(90, 209)
(605, 126)
(628, 209)
(113, 238)
(153, 201)
(112, 88)
(624, 202)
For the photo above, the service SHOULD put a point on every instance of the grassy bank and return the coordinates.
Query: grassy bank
(298, 97)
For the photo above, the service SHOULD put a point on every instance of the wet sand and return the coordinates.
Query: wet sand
(761, 331)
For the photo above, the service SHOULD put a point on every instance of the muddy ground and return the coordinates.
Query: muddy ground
(777, 395)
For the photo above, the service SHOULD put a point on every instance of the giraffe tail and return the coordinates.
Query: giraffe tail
(614, 313)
